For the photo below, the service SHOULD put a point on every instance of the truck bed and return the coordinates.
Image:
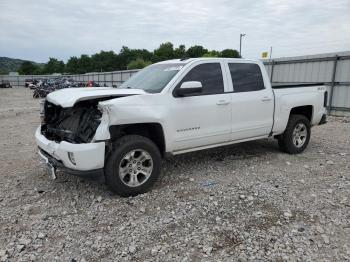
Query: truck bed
(300, 95)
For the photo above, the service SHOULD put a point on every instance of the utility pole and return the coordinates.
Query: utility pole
(240, 44)
(270, 52)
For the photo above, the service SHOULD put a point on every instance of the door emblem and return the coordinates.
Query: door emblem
(188, 129)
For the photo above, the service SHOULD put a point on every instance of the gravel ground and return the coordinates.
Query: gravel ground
(243, 202)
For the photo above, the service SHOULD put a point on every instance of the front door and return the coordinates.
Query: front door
(204, 119)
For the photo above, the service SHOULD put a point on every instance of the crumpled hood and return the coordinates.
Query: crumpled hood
(69, 96)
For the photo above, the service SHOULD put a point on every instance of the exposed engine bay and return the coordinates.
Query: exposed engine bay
(75, 124)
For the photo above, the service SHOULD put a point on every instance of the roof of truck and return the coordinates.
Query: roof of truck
(188, 60)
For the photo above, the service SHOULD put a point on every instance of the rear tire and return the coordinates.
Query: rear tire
(133, 166)
(297, 135)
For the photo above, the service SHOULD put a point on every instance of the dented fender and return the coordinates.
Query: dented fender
(102, 131)
(129, 110)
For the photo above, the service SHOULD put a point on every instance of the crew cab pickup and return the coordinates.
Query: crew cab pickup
(170, 108)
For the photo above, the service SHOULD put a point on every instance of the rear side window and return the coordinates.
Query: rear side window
(246, 77)
(210, 75)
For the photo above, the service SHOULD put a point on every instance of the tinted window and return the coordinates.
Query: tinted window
(210, 75)
(246, 77)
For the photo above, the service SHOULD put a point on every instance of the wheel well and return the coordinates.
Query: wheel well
(303, 110)
(153, 131)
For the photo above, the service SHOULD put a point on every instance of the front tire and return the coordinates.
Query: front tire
(297, 135)
(133, 166)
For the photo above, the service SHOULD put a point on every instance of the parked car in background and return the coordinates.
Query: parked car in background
(169, 108)
(5, 84)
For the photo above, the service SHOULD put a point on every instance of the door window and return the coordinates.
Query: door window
(210, 75)
(246, 77)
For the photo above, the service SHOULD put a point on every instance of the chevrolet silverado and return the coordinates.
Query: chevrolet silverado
(172, 107)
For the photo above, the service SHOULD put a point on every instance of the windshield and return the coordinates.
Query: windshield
(153, 78)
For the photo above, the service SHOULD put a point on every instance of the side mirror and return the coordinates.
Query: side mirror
(189, 88)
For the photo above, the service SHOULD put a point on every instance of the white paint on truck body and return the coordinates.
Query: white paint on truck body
(196, 122)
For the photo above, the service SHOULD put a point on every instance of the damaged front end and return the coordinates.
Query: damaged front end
(77, 124)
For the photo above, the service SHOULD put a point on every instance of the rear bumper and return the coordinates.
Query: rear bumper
(87, 157)
(323, 120)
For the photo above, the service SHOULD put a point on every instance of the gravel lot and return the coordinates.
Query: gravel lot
(243, 202)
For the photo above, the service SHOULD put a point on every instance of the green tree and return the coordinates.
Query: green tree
(72, 65)
(229, 53)
(105, 61)
(180, 52)
(141, 53)
(164, 52)
(125, 57)
(54, 66)
(28, 68)
(212, 53)
(84, 64)
(196, 51)
(139, 63)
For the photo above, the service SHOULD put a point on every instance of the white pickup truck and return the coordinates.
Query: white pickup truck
(172, 107)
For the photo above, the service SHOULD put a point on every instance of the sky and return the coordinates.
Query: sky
(37, 30)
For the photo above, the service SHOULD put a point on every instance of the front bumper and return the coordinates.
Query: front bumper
(54, 164)
(87, 157)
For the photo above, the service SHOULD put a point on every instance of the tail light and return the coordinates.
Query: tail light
(325, 101)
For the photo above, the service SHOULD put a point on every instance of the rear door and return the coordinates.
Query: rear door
(204, 119)
(252, 104)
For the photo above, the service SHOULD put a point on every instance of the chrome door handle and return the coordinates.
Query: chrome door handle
(222, 102)
(266, 99)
